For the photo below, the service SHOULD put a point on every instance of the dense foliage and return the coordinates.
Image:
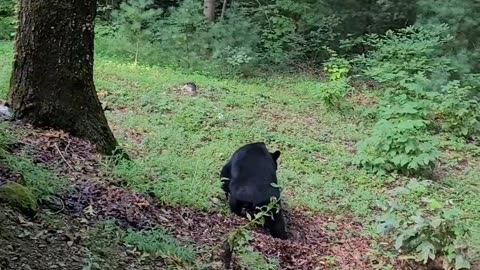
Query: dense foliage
(7, 19)
(261, 35)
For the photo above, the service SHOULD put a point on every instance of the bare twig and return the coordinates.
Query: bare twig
(224, 8)
(183, 220)
(63, 157)
(266, 16)
(66, 147)
(61, 201)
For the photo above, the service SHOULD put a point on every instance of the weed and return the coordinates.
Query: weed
(237, 242)
(43, 182)
(158, 243)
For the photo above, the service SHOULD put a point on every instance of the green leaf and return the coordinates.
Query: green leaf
(399, 242)
(410, 147)
(413, 165)
(427, 159)
(425, 251)
(418, 219)
(451, 214)
(461, 262)
(434, 204)
(275, 185)
(387, 223)
(436, 222)
(396, 160)
(404, 159)
(378, 161)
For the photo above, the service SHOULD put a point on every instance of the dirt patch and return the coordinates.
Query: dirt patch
(29, 245)
(309, 244)
(289, 122)
(53, 241)
(7, 175)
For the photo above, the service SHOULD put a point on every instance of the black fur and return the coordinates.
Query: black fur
(247, 181)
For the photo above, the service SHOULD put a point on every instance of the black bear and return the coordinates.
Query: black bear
(247, 181)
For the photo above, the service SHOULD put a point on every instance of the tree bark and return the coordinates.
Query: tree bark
(209, 9)
(52, 81)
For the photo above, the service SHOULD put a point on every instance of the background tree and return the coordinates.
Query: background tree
(7, 19)
(209, 9)
(462, 19)
(52, 81)
(135, 19)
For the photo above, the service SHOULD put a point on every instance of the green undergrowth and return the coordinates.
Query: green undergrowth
(158, 242)
(153, 245)
(42, 182)
(179, 143)
(6, 58)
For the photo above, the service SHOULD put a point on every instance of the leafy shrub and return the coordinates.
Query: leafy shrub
(464, 27)
(419, 99)
(456, 111)
(294, 33)
(157, 242)
(7, 19)
(288, 33)
(400, 55)
(438, 234)
(336, 67)
(237, 241)
(235, 38)
(184, 38)
(135, 20)
(7, 28)
(402, 146)
(105, 30)
(450, 107)
(333, 92)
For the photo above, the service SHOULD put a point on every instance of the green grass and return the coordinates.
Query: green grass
(158, 242)
(41, 181)
(179, 143)
(6, 62)
(186, 140)
(106, 242)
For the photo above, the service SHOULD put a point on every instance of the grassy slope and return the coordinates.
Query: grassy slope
(185, 140)
(181, 142)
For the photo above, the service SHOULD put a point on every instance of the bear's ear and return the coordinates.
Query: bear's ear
(275, 155)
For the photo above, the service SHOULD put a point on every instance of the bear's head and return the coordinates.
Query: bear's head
(275, 155)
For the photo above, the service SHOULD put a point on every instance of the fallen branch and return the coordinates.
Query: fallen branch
(63, 157)
(66, 147)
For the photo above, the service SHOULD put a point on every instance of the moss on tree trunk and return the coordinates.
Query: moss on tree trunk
(52, 81)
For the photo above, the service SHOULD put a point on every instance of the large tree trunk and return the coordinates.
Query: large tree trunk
(209, 9)
(52, 81)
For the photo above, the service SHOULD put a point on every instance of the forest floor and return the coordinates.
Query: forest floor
(165, 208)
(71, 239)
